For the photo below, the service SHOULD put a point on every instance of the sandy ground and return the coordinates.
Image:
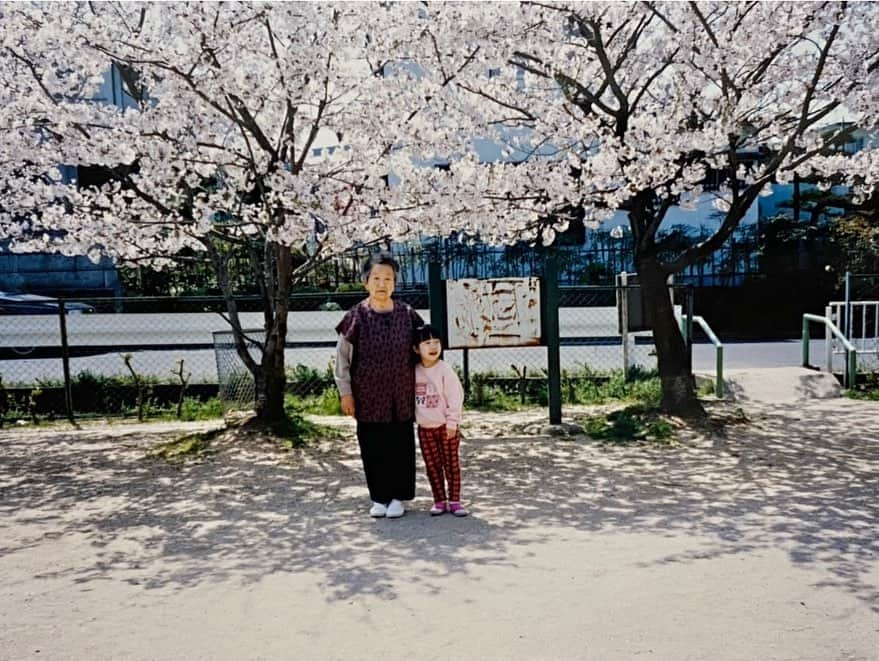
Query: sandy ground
(758, 542)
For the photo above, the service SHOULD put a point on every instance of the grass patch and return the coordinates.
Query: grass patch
(868, 395)
(867, 390)
(191, 410)
(484, 397)
(633, 423)
(706, 389)
(491, 391)
(292, 432)
(189, 447)
(326, 403)
(296, 430)
(588, 387)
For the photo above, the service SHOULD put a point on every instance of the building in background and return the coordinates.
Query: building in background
(64, 276)
(594, 256)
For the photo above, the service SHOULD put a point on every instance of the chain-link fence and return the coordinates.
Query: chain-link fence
(169, 357)
(146, 357)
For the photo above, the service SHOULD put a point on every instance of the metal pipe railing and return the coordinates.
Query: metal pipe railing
(850, 375)
(718, 387)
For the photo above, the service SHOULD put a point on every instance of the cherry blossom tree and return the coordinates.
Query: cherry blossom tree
(213, 152)
(626, 107)
(593, 108)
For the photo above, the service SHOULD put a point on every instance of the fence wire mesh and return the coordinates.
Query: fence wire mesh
(167, 357)
(235, 383)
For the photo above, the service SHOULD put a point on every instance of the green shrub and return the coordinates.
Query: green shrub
(705, 389)
(4, 402)
(195, 409)
(95, 393)
(588, 387)
(868, 390)
(326, 403)
(511, 391)
(304, 381)
(492, 398)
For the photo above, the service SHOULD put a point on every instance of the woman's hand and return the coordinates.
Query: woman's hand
(348, 405)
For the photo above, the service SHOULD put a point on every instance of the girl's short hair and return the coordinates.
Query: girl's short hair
(426, 332)
(377, 258)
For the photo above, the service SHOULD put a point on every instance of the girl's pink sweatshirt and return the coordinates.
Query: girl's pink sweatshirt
(439, 397)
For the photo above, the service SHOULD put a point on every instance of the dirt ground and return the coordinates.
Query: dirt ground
(758, 541)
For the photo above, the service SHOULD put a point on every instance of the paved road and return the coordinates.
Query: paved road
(783, 353)
(126, 332)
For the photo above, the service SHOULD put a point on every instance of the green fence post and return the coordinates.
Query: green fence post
(465, 365)
(690, 305)
(805, 342)
(65, 361)
(551, 333)
(852, 369)
(718, 388)
(437, 300)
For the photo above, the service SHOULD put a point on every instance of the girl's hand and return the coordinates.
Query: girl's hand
(348, 405)
(451, 432)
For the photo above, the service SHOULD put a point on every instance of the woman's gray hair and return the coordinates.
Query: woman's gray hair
(375, 259)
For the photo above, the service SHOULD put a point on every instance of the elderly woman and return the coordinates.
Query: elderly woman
(376, 380)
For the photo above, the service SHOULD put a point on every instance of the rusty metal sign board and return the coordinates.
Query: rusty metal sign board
(497, 312)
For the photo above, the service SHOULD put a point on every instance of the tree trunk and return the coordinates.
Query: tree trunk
(270, 382)
(271, 378)
(678, 387)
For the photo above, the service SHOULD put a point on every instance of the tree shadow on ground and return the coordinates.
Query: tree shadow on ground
(801, 480)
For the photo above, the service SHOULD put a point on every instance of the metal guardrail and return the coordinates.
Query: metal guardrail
(861, 321)
(718, 345)
(851, 372)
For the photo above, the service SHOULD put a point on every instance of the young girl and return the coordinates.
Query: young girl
(439, 402)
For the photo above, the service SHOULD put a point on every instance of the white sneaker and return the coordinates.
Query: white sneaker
(395, 509)
(378, 510)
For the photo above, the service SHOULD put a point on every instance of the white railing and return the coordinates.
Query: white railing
(860, 323)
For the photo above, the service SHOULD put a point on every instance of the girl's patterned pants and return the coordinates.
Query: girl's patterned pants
(442, 463)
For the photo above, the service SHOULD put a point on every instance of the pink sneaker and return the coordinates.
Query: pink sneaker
(458, 509)
(437, 509)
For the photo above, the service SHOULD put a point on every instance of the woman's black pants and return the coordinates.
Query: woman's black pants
(388, 453)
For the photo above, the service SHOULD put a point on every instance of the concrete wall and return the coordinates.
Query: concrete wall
(40, 273)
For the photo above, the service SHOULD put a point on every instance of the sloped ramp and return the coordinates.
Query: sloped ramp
(780, 384)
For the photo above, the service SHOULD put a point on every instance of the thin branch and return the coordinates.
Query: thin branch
(742, 16)
(504, 104)
(652, 7)
(316, 122)
(219, 262)
(816, 77)
(724, 74)
(656, 74)
(592, 33)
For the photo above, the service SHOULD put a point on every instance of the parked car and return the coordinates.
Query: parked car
(35, 304)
